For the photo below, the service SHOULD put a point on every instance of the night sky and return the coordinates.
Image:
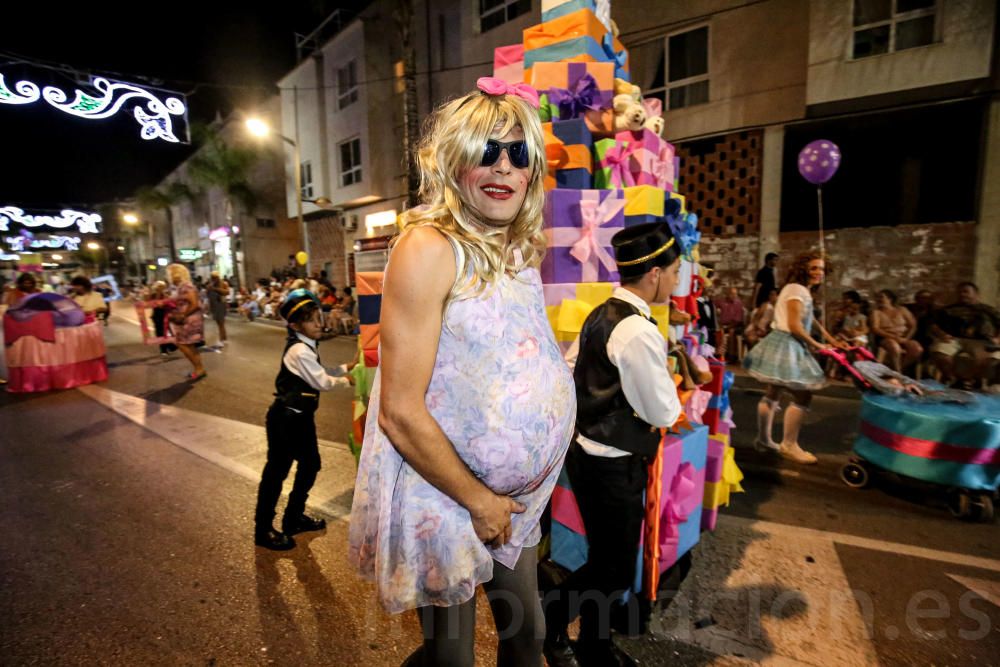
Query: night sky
(54, 159)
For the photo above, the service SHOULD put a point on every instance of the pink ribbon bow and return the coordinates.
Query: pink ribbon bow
(663, 168)
(677, 507)
(653, 106)
(493, 86)
(617, 158)
(592, 216)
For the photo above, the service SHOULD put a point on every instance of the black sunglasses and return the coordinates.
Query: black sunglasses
(517, 153)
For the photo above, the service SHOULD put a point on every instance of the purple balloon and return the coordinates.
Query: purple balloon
(818, 161)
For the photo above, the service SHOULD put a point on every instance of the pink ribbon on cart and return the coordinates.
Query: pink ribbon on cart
(663, 168)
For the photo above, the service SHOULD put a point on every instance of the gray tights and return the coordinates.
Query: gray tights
(449, 632)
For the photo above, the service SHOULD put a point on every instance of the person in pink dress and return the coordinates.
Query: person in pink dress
(475, 406)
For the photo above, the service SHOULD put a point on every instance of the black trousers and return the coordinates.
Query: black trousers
(291, 437)
(609, 493)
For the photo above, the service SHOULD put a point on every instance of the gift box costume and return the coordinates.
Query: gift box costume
(625, 394)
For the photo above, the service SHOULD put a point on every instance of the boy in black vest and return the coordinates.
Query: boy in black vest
(624, 394)
(291, 427)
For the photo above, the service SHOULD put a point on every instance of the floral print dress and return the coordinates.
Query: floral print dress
(505, 398)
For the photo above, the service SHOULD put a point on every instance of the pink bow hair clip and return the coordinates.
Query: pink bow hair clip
(493, 86)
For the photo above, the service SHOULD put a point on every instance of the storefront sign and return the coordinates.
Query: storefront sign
(189, 254)
(85, 222)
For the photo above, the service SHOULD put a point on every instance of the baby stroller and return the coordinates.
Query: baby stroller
(924, 431)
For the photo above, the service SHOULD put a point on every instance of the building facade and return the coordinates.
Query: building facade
(906, 88)
(212, 232)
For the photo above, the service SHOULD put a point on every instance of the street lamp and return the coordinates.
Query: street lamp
(260, 129)
(131, 218)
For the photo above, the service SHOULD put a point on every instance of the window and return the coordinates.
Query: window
(886, 26)
(306, 174)
(497, 12)
(265, 223)
(350, 162)
(347, 85)
(674, 69)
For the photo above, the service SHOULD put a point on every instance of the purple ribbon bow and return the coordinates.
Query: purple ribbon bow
(583, 96)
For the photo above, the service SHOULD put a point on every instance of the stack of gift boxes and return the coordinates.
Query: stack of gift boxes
(608, 169)
(368, 286)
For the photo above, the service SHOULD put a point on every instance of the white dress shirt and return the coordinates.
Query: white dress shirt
(303, 361)
(637, 349)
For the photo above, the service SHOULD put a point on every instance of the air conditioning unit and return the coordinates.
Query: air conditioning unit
(350, 222)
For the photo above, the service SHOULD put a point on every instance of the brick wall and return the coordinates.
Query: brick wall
(904, 259)
(326, 245)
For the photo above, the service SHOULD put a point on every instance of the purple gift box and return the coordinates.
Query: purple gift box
(579, 225)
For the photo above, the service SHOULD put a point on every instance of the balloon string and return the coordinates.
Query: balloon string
(822, 249)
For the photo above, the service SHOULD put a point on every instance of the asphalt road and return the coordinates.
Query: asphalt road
(123, 548)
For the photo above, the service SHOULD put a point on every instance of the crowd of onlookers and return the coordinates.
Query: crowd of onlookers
(263, 299)
(956, 341)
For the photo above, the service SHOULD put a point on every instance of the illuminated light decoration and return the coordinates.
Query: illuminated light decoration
(56, 257)
(162, 261)
(85, 222)
(151, 267)
(218, 233)
(152, 113)
(189, 254)
(4, 257)
(21, 243)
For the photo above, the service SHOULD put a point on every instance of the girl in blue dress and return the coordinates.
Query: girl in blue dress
(783, 360)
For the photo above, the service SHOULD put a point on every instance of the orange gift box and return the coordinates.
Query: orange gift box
(581, 23)
(369, 338)
(557, 75)
(368, 283)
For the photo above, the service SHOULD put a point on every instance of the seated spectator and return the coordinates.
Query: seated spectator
(966, 335)
(344, 313)
(922, 309)
(895, 327)
(760, 320)
(732, 318)
(853, 325)
(707, 317)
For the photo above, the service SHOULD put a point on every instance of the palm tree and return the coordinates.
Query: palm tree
(227, 168)
(164, 198)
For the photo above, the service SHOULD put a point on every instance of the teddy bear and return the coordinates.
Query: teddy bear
(623, 87)
(654, 115)
(629, 114)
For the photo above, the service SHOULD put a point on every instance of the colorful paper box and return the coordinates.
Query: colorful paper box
(369, 308)
(569, 537)
(579, 225)
(644, 200)
(566, 76)
(613, 164)
(508, 63)
(722, 479)
(568, 305)
(652, 158)
(371, 358)
(601, 123)
(565, 28)
(674, 495)
(553, 9)
(368, 338)
(567, 150)
(368, 282)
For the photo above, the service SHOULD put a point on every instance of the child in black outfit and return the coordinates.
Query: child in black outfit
(291, 427)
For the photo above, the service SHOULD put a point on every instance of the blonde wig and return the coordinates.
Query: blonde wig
(178, 270)
(452, 145)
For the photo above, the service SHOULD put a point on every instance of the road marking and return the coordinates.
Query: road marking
(988, 590)
(990, 564)
(228, 443)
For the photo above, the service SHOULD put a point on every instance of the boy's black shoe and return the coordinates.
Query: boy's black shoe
(559, 653)
(272, 539)
(301, 524)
